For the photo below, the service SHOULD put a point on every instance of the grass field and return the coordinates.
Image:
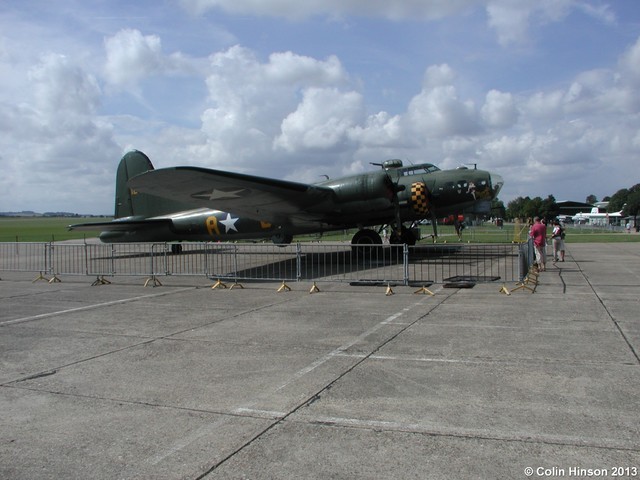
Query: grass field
(43, 229)
(46, 229)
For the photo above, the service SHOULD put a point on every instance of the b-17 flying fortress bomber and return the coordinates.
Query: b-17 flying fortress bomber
(198, 204)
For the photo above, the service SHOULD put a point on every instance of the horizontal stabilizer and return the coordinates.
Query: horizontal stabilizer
(119, 225)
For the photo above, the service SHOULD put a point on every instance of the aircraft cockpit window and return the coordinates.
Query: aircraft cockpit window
(421, 169)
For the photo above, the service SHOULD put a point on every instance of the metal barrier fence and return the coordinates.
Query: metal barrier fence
(331, 262)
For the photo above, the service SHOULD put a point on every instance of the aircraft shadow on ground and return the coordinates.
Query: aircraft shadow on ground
(370, 266)
(336, 265)
(365, 264)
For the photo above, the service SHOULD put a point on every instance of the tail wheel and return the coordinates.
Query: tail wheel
(282, 239)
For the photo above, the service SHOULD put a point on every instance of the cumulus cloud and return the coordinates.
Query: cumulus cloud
(61, 87)
(630, 63)
(281, 112)
(380, 130)
(57, 144)
(508, 150)
(512, 19)
(499, 110)
(601, 92)
(132, 56)
(289, 68)
(322, 121)
(438, 76)
(438, 112)
(284, 104)
(629, 78)
(545, 105)
(297, 106)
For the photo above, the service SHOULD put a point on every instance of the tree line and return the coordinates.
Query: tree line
(625, 199)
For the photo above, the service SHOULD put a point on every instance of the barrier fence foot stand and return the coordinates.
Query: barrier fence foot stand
(40, 277)
(235, 284)
(154, 281)
(505, 290)
(314, 289)
(389, 290)
(424, 290)
(284, 287)
(219, 284)
(55, 279)
(101, 281)
(523, 286)
(531, 278)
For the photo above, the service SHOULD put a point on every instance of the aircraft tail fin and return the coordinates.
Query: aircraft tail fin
(130, 203)
(132, 164)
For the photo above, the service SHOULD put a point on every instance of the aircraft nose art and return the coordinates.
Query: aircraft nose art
(419, 198)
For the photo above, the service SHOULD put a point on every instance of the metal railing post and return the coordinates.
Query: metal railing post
(205, 266)
(165, 259)
(47, 257)
(86, 258)
(405, 264)
(235, 262)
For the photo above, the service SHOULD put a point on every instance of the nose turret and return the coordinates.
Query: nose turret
(496, 183)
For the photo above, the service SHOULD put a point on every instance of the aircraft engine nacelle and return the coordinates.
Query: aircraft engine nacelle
(419, 199)
(363, 192)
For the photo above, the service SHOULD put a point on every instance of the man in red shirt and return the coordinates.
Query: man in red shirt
(539, 234)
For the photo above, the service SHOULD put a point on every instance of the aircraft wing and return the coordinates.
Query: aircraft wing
(260, 198)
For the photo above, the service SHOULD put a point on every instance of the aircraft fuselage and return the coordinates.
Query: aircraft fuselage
(178, 203)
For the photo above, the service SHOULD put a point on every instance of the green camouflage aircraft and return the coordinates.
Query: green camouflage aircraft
(181, 203)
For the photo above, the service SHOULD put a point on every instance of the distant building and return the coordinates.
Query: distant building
(569, 208)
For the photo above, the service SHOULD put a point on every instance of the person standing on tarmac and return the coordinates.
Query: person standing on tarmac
(557, 239)
(539, 234)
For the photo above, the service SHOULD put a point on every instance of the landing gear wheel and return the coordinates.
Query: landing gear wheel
(176, 248)
(404, 236)
(366, 237)
(366, 243)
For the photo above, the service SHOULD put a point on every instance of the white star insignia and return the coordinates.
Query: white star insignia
(229, 223)
(219, 194)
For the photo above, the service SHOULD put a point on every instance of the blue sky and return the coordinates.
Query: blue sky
(546, 93)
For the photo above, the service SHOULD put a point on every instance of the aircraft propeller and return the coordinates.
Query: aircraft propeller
(398, 231)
